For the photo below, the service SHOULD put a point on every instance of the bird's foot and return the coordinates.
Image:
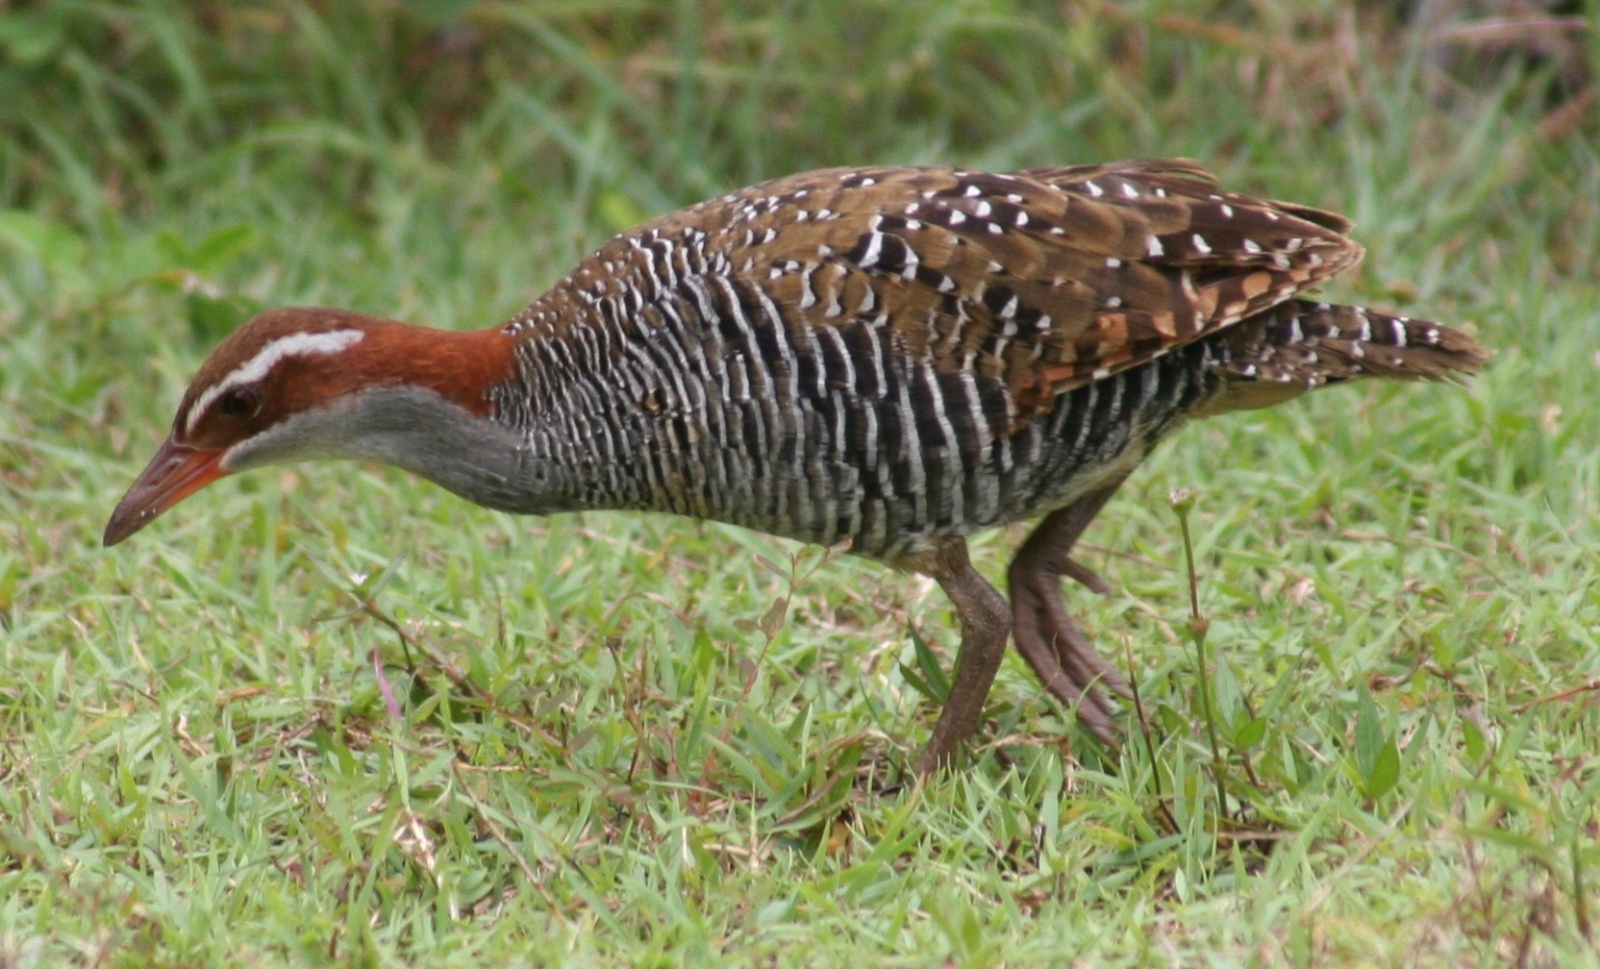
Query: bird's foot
(1062, 656)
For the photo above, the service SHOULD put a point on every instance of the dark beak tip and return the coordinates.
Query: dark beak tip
(176, 471)
(120, 527)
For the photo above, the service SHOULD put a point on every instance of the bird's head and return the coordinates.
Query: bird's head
(304, 383)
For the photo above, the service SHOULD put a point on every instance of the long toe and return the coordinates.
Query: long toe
(1094, 712)
(1086, 671)
(1085, 576)
(1061, 655)
(1076, 654)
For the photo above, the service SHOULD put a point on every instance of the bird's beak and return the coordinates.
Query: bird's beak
(176, 472)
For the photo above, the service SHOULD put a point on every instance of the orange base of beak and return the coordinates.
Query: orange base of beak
(176, 472)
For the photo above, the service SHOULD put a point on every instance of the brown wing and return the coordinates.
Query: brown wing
(1046, 278)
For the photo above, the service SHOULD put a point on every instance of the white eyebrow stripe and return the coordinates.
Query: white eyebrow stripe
(258, 366)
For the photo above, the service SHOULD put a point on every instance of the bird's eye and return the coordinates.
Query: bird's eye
(239, 402)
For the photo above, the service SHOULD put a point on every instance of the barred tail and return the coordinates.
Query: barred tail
(1301, 345)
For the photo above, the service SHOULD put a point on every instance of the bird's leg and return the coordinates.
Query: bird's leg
(1046, 636)
(985, 627)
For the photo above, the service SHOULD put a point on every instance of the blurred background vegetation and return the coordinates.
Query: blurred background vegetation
(615, 753)
(578, 118)
(124, 102)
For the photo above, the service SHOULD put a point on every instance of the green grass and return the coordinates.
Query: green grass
(635, 740)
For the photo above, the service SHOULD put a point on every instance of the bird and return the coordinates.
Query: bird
(889, 358)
